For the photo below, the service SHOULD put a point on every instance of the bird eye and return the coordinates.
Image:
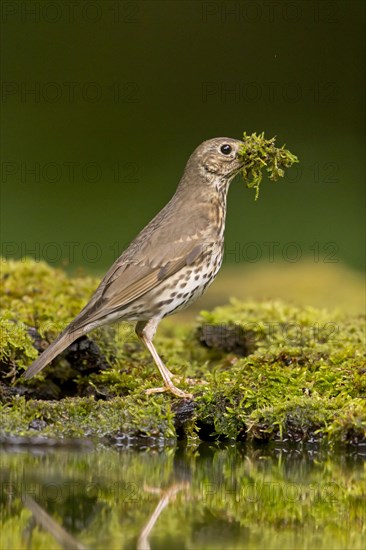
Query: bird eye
(225, 149)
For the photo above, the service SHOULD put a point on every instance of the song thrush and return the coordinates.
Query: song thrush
(170, 263)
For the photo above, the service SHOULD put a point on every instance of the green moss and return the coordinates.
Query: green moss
(302, 375)
(135, 416)
(258, 154)
(304, 378)
(40, 296)
(16, 346)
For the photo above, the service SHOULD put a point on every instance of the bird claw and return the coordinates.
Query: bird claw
(172, 389)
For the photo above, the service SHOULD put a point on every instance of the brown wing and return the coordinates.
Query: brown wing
(127, 282)
(159, 251)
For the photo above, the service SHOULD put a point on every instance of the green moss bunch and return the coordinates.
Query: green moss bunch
(258, 154)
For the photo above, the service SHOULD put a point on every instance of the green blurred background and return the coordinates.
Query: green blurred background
(103, 102)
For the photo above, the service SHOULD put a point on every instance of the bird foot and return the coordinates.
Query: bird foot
(172, 389)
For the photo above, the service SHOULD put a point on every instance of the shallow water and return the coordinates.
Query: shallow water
(206, 497)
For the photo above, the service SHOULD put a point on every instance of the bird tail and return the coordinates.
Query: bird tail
(66, 338)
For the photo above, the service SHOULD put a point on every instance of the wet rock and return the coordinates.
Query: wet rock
(43, 390)
(38, 342)
(7, 392)
(228, 338)
(37, 424)
(85, 356)
(183, 414)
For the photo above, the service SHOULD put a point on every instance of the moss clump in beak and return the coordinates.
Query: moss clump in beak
(259, 153)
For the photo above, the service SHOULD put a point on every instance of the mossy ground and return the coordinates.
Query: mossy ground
(266, 370)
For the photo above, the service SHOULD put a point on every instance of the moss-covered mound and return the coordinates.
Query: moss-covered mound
(262, 370)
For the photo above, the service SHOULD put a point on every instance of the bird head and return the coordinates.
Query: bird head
(216, 160)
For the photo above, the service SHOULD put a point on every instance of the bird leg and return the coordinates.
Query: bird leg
(145, 330)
